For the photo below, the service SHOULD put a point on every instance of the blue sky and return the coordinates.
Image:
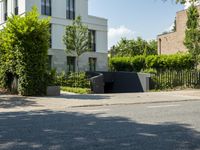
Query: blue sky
(133, 18)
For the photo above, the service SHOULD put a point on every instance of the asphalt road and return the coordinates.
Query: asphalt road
(160, 126)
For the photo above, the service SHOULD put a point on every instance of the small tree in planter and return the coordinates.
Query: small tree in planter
(76, 39)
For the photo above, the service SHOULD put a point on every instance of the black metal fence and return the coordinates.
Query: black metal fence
(171, 79)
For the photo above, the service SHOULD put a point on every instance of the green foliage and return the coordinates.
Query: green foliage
(24, 46)
(52, 78)
(161, 62)
(174, 26)
(76, 90)
(184, 1)
(78, 80)
(76, 39)
(131, 48)
(136, 63)
(192, 33)
(150, 70)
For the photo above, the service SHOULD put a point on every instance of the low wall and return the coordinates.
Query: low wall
(97, 82)
(122, 82)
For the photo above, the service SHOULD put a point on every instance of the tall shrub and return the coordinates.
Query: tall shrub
(26, 41)
(192, 33)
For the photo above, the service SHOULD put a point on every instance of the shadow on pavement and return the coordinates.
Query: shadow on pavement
(15, 101)
(44, 130)
(83, 97)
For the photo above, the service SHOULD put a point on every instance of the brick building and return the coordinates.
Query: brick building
(172, 42)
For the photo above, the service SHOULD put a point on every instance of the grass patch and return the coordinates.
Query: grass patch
(76, 90)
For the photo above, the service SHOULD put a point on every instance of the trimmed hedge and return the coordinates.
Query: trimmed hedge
(77, 80)
(76, 90)
(24, 44)
(136, 63)
(161, 62)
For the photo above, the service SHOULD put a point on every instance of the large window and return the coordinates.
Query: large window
(92, 64)
(71, 64)
(5, 10)
(70, 9)
(16, 8)
(92, 40)
(46, 7)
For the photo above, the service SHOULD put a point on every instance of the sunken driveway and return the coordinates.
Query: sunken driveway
(141, 121)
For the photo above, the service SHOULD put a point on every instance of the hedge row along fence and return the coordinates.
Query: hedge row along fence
(158, 62)
(172, 79)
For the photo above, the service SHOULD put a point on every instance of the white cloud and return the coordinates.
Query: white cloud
(188, 4)
(115, 34)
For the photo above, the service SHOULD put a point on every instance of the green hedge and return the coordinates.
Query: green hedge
(161, 62)
(76, 90)
(78, 80)
(127, 63)
(24, 44)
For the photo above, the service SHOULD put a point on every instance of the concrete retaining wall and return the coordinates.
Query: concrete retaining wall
(123, 82)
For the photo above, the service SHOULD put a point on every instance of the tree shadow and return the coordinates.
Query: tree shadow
(15, 101)
(44, 130)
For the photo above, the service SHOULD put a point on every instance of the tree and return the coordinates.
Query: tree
(24, 52)
(192, 33)
(184, 1)
(76, 39)
(130, 48)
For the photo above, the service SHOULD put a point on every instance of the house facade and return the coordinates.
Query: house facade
(173, 42)
(62, 13)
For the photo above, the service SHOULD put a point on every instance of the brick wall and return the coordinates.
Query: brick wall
(172, 43)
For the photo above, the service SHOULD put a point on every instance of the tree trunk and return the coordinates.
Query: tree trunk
(77, 64)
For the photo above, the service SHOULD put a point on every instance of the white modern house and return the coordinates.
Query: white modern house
(62, 12)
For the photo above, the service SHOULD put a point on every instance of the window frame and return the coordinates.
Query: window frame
(92, 40)
(92, 64)
(46, 7)
(16, 9)
(70, 9)
(71, 67)
(5, 10)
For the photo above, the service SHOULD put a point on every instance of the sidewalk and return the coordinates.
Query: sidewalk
(67, 100)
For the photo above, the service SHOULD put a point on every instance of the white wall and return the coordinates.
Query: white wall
(59, 8)
(82, 8)
(22, 6)
(1, 12)
(101, 44)
(57, 36)
(11, 10)
(31, 3)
